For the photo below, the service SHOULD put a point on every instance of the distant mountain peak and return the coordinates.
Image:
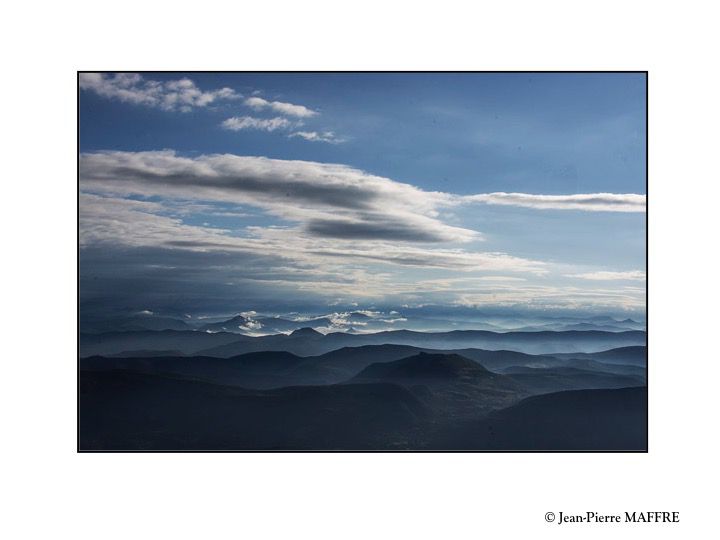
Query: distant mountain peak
(230, 325)
(306, 332)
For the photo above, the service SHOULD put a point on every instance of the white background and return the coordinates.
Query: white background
(50, 491)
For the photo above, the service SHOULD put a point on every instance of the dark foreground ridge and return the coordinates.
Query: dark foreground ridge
(122, 410)
(582, 420)
(429, 400)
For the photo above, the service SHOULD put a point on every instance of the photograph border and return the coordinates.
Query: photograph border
(371, 451)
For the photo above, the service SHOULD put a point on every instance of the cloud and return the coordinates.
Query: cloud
(325, 136)
(384, 227)
(318, 196)
(115, 221)
(632, 275)
(551, 297)
(175, 95)
(135, 255)
(590, 202)
(342, 233)
(111, 223)
(238, 123)
(457, 260)
(287, 109)
(465, 282)
(164, 280)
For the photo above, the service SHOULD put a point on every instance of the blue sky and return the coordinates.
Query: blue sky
(221, 193)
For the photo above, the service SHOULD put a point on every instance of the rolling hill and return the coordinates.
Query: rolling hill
(453, 386)
(580, 420)
(272, 369)
(633, 356)
(122, 410)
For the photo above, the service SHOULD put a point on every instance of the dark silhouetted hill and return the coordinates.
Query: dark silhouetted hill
(267, 369)
(633, 356)
(272, 369)
(452, 385)
(144, 354)
(426, 366)
(186, 342)
(122, 410)
(546, 380)
(574, 420)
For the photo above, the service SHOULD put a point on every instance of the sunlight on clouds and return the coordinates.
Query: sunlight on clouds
(589, 202)
(325, 136)
(237, 123)
(357, 204)
(178, 95)
(289, 109)
(345, 228)
(633, 275)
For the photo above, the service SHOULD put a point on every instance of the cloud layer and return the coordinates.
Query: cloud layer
(343, 232)
(632, 275)
(177, 95)
(588, 202)
(327, 200)
(184, 95)
(146, 251)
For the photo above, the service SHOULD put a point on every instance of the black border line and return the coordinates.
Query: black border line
(418, 451)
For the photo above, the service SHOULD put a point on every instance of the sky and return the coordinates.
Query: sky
(206, 194)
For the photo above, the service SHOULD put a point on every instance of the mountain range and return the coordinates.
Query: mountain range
(271, 369)
(307, 341)
(250, 323)
(397, 390)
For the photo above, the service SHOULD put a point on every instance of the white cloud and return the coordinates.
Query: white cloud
(175, 95)
(111, 222)
(346, 233)
(288, 109)
(114, 221)
(237, 123)
(450, 259)
(590, 202)
(328, 200)
(632, 275)
(325, 136)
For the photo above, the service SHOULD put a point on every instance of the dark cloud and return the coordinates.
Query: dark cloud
(298, 191)
(382, 230)
(176, 281)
